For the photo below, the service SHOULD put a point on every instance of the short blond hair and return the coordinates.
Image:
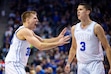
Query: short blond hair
(27, 14)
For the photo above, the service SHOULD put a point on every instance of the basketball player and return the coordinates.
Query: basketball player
(87, 37)
(24, 36)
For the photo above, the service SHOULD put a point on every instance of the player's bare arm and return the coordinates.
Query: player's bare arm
(27, 34)
(72, 51)
(55, 39)
(101, 35)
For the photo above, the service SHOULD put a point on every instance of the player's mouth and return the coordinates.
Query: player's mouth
(78, 14)
(36, 25)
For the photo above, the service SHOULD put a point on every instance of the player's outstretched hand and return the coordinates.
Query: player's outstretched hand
(64, 40)
(62, 32)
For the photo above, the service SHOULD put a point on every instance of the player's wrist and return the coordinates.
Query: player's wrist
(68, 63)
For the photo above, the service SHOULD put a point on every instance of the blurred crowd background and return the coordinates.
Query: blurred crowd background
(53, 15)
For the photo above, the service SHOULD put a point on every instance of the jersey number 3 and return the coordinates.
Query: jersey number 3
(28, 51)
(82, 46)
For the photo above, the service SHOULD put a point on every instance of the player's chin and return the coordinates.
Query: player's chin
(35, 27)
(79, 17)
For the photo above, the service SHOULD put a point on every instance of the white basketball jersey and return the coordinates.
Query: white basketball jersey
(88, 46)
(19, 50)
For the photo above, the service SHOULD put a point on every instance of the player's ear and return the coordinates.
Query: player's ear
(27, 19)
(88, 12)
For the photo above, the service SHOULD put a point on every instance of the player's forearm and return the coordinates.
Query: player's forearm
(71, 56)
(108, 53)
(47, 46)
(55, 39)
(47, 40)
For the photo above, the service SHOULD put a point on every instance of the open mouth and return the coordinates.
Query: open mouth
(36, 25)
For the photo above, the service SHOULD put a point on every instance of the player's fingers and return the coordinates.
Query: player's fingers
(66, 38)
(63, 31)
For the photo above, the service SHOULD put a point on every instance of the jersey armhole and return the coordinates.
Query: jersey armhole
(16, 33)
(94, 30)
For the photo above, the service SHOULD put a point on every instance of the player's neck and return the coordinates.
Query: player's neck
(86, 22)
(26, 25)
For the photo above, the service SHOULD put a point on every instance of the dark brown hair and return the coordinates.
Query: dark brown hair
(87, 6)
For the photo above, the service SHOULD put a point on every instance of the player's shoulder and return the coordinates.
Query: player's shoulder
(97, 26)
(24, 31)
(75, 25)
